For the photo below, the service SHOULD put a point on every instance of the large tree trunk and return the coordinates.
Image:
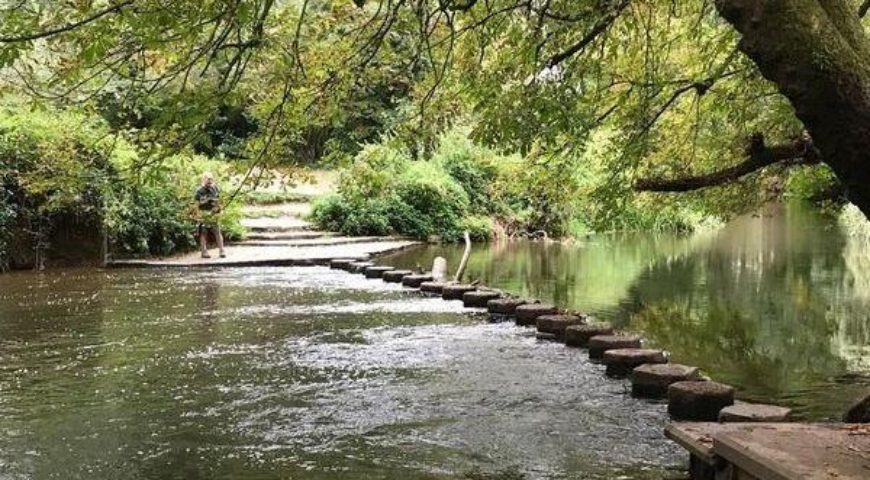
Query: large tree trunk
(817, 54)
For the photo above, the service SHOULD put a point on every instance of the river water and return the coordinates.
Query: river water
(309, 373)
(297, 373)
(776, 303)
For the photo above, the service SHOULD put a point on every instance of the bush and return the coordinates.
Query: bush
(384, 192)
(62, 162)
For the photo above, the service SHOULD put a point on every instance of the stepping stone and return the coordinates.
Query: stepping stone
(753, 412)
(414, 280)
(341, 263)
(527, 314)
(395, 276)
(359, 267)
(621, 361)
(455, 291)
(377, 271)
(556, 324)
(505, 306)
(652, 380)
(859, 412)
(579, 335)
(698, 401)
(432, 287)
(479, 298)
(546, 337)
(602, 343)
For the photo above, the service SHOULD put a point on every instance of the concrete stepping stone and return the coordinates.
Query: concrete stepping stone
(528, 314)
(579, 335)
(479, 298)
(602, 343)
(432, 287)
(415, 280)
(377, 271)
(395, 276)
(455, 291)
(546, 337)
(698, 401)
(341, 263)
(359, 267)
(556, 324)
(505, 306)
(621, 361)
(652, 380)
(754, 412)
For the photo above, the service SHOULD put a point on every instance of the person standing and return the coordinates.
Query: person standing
(207, 197)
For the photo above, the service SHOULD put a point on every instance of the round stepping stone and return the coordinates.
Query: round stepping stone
(377, 271)
(415, 280)
(455, 291)
(395, 276)
(546, 337)
(479, 298)
(341, 263)
(698, 401)
(527, 314)
(556, 324)
(579, 335)
(621, 361)
(359, 267)
(652, 380)
(505, 306)
(602, 343)
(432, 287)
(753, 412)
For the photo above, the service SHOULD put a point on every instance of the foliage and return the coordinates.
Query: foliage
(66, 162)
(385, 192)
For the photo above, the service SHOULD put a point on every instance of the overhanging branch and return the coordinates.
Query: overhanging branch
(801, 152)
(600, 27)
(68, 27)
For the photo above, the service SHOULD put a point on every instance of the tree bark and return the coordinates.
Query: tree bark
(818, 56)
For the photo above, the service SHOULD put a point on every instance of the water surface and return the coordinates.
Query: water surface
(302, 373)
(776, 303)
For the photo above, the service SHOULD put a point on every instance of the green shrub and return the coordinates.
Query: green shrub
(472, 166)
(66, 162)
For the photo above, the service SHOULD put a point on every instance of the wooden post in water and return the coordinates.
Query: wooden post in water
(465, 256)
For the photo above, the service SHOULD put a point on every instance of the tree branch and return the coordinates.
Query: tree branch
(862, 10)
(70, 26)
(801, 152)
(600, 27)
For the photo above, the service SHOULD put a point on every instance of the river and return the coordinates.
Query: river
(306, 372)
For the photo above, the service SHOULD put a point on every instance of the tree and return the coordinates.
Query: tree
(664, 79)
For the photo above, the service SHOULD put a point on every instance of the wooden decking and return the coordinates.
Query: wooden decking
(778, 451)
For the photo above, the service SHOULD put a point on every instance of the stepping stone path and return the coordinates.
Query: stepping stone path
(601, 343)
(341, 263)
(621, 361)
(395, 276)
(455, 291)
(556, 324)
(528, 314)
(652, 380)
(753, 412)
(579, 335)
(505, 306)
(415, 280)
(359, 267)
(479, 298)
(698, 401)
(432, 287)
(376, 271)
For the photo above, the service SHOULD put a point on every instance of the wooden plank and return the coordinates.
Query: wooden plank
(788, 451)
